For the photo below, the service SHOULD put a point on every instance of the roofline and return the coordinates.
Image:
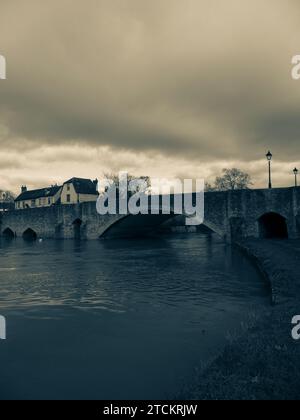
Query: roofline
(78, 179)
(52, 193)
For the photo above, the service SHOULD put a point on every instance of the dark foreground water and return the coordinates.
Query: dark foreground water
(127, 319)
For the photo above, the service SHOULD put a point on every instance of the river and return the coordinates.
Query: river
(118, 319)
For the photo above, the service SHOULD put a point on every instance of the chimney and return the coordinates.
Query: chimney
(95, 182)
(23, 188)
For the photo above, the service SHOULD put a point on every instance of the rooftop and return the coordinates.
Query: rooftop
(41, 193)
(83, 186)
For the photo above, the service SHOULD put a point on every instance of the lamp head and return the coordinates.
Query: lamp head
(269, 156)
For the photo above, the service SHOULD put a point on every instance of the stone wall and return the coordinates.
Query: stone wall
(232, 215)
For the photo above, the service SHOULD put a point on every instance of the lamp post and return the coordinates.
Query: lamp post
(296, 175)
(269, 157)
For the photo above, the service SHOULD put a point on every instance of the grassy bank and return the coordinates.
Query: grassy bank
(264, 362)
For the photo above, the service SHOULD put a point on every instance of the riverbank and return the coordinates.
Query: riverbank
(263, 363)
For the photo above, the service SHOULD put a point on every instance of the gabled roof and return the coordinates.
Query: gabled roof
(41, 193)
(83, 186)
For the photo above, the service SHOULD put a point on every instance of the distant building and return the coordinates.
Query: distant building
(44, 197)
(79, 190)
(76, 190)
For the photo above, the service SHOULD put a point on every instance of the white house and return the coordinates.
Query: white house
(76, 190)
(79, 190)
(44, 197)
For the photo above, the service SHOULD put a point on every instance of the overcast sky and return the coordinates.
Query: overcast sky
(155, 87)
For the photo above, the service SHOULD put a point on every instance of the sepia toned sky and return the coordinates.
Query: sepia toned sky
(174, 88)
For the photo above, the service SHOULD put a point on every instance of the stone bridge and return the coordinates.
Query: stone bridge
(232, 215)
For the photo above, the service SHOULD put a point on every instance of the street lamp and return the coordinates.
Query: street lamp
(269, 157)
(296, 175)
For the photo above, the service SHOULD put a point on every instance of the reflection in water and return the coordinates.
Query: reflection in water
(119, 319)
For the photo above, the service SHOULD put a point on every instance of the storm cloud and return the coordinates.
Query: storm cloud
(185, 87)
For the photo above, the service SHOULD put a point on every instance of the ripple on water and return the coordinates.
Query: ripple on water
(119, 319)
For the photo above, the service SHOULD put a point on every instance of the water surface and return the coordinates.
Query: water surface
(119, 319)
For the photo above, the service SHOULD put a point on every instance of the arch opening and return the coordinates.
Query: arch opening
(8, 234)
(133, 226)
(142, 225)
(273, 226)
(77, 228)
(29, 235)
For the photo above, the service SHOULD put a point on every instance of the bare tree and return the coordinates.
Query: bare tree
(233, 179)
(114, 178)
(208, 187)
(6, 196)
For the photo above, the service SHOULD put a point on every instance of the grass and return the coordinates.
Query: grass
(261, 363)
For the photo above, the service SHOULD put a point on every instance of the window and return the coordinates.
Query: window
(32, 203)
(49, 201)
(68, 198)
(40, 202)
(68, 187)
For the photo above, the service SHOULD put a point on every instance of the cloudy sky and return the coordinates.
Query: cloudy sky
(155, 87)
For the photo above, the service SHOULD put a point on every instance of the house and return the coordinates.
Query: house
(76, 190)
(44, 197)
(79, 190)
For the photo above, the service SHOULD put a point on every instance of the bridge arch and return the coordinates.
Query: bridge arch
(134, 225)
(141, 225)
(8, 233)
(77, 225)
(273, 226)
(29, 235)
